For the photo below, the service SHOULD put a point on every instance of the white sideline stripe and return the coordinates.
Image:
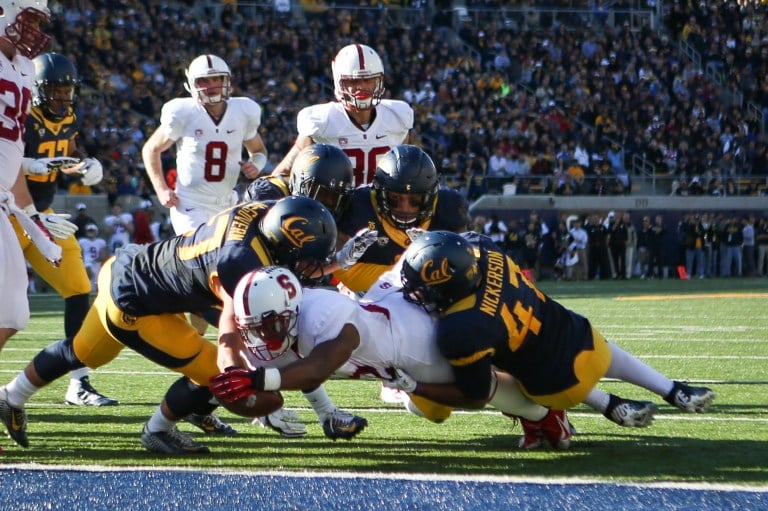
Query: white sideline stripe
(398, 476)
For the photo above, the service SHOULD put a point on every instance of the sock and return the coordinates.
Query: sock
(20, 390)
(77, 374)
(627, 368)
(598, 400)
(320, 401)
(508, 398)
(159, 422)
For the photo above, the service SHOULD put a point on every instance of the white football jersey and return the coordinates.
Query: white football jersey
(208, 154)
(17, 77)
(92, 249)
(328, 123)
(393, 333)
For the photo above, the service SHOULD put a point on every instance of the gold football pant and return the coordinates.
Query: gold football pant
(588, 366)
(70, 278)
(166, 339)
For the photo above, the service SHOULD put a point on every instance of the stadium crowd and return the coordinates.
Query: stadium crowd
(551, 108)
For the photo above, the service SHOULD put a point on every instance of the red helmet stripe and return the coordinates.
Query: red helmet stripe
(246, 295)
(210, 61)
(360, 56)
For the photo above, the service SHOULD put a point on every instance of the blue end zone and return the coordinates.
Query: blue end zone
(150, 490)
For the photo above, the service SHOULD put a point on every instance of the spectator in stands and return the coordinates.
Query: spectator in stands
(731, 246)
(748, 236)
(658, 243)
(82, 219)
(142, 220)
(761, 239)
(693, 233)
(598, 265)
(580, 241)
(119, 228)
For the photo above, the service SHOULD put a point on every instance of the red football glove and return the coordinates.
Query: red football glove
(236, 383)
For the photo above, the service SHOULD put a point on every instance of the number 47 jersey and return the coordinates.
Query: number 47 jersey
(328, 123)
(208, 153)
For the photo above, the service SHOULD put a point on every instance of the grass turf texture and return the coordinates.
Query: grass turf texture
(712, 332)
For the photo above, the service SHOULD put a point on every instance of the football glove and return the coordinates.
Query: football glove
(56, 224)
(355, 247)
(91, 171)
(33, 227)
(414, 233)
(402, 380)
(44, 166)
(237, 383)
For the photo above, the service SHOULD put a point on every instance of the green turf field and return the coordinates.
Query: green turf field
(712, 332)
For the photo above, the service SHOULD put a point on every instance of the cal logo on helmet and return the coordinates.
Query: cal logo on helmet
(434, 273)
(294, 232)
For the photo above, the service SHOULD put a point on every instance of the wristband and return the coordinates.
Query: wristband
(30, 209)
(259, 159)
(272, 379)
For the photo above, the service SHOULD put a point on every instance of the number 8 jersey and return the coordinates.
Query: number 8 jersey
(208, 153)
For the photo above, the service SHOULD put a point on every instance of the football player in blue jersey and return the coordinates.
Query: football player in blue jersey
(491, 316)
(144, 289)
(50, 149)
(405, 195)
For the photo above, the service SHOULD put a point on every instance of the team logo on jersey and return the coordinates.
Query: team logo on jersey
(433, 273)
(293, 230)
(198, 133)
(343, 141)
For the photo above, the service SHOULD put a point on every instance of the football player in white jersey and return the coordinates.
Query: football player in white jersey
(20, 40)
(360, 122)
(209, 129)
(343, 338)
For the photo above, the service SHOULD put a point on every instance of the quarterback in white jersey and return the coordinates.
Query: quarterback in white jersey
(360, 122)
(209, 130)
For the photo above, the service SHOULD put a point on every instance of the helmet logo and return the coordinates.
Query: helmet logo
(294, 231)
(432, 275)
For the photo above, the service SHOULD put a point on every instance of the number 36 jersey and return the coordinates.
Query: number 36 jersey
(208, 153)
(511, 324)
(328, 123)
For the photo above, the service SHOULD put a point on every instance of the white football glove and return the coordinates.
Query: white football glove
(92, 172)
(414, 233)
(402, 380)
(44, 166)
(6, 201)
(57, 224)
(355, 247)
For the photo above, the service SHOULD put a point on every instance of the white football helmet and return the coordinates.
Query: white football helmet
(358, 62)
(20, 22)
(267, 310)
(206, 66)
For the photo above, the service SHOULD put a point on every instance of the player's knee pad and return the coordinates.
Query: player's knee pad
(56, 360)
(428, 409)
(75, 310)
(185, 397)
